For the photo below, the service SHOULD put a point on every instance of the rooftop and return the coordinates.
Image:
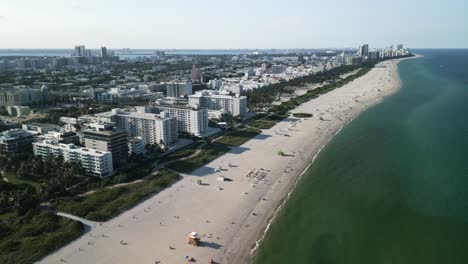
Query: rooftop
(72, 147)
(15, 133)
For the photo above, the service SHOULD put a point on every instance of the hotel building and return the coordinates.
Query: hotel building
(192, 120)
(94, 162)
(235, 105)
(153, 128)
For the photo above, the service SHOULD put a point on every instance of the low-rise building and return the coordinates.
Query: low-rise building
(41, 128)
(62, 137)
(15, 141)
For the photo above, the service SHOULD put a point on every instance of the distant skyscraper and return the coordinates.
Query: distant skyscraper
(104, 52)
(80, 51)
(160, 53)
(196, 74)
(364, 50)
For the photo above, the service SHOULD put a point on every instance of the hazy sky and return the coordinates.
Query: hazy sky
(232, 24)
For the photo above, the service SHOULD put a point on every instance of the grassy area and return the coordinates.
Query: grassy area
(275, 117)
(29, 238)
(107, 203)
(181, 153)
(256, 117)
(12, 178)
(238, 137)
(263, 124)
(208, 153)
(7, 215)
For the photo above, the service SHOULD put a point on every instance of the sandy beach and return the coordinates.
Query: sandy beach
(229, 215)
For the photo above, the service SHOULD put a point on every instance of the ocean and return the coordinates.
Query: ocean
(392, 186)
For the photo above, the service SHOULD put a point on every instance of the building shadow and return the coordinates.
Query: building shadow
(212, 245)
(202, 171)
(262, 137)
(238, 150)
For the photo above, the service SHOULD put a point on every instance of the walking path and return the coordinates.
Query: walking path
(79, 219)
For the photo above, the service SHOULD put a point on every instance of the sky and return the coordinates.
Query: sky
(220, 24)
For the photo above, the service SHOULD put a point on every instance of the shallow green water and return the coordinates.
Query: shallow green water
(391, 187)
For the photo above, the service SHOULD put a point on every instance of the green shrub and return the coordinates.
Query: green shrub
(34, 235)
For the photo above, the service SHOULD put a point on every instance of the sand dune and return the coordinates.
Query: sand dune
(231, 216)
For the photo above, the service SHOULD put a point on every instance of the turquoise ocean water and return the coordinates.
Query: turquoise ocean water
(392, 186)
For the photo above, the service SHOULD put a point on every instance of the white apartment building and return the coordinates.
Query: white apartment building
(220, 101)
(192, 120)
(18, 111)
(154, 129)
(136, 146)
(277, 69)
(94, 162)
(174, 89)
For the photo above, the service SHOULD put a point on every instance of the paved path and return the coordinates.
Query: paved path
(79, 219)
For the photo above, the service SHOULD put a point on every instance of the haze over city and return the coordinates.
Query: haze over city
(210, 24)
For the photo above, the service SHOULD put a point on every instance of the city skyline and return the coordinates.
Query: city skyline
(208, 24)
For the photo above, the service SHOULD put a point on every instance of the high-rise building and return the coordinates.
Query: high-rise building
(136, 146)
(94, 162)
(196, 74)
(364, 50)
(18, 110)
(219, 101)
(216, 84)
(22, 95)
(277, 69)
(191, 120)
(374, 55)
(15, 141)
(154, 129)
(80, 51)
(174, 89)
(104, 52)
(160, 53)
(105, 138)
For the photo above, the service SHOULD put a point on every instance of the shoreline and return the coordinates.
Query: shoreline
(231, 216)
(258, 242)
(293, 188)
(278, 209)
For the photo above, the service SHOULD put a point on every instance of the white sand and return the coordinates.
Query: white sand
(225, 217)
